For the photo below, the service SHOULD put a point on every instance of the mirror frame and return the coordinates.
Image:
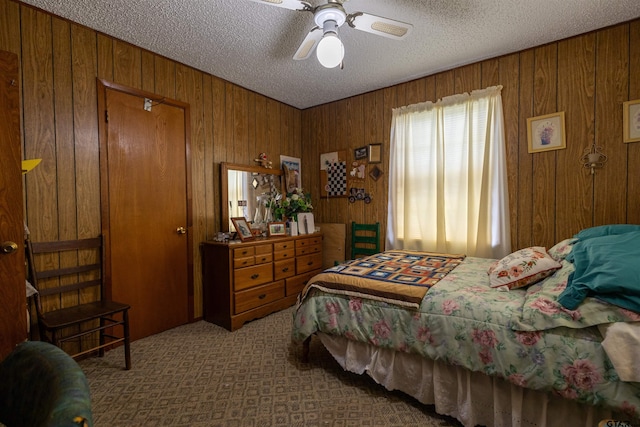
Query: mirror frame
(224, 185)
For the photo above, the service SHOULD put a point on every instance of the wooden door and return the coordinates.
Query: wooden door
(13, 315)
(146, 217)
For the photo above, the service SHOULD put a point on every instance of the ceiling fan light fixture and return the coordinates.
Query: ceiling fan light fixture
(330, 50)
(329, 13)
(329, 16)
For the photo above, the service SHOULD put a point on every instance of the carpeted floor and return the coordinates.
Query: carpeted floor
(203, 375)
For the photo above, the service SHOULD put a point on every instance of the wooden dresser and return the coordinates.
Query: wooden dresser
(248, 280)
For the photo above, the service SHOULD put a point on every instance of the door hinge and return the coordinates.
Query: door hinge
(106, 116)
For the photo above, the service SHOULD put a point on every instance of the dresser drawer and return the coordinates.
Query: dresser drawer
(294, 285)
(243, 262)
(249, 277)
(307, 250)
(252, 298)
(301, 243)
(307, 263)
(262, 258)
(281, 246)
(263, 249)
(284, 254)
(283, 269)
(244, 252)
(316, 240)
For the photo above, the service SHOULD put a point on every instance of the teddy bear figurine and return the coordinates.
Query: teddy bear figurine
(263, 161)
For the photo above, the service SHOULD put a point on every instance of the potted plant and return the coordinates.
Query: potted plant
(295, 202)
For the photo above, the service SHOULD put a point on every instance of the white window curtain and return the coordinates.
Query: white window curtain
(448, 177)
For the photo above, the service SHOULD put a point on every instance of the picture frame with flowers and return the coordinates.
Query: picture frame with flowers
(546, 132)
(631, 121)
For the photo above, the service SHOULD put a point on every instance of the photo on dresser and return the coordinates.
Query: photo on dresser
(305, 223)
(277, 229)
(243, 229)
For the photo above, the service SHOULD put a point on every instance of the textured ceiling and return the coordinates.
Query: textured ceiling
(251, 44)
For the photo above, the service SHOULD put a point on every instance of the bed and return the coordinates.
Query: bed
(492, 342)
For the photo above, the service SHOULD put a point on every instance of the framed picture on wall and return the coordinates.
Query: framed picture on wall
(375, 153)
(546, 132)
(375, 173)
(243, 229)
(360, 153)
(631, 121)
(292, 172)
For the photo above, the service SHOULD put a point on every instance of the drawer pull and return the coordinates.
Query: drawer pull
(263, 296)
(255, 276)
(310, 263)
(284, 270)
(244, 263)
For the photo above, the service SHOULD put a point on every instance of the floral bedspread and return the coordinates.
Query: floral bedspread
(522, 335)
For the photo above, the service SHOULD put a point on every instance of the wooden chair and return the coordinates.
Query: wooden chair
(68, 279)
(365, 239)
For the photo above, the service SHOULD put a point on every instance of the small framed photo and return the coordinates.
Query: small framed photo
(631, 121)
(306, 225)
(277, 228)
(243, 229)
(375, 173)
(375, 153)
(546, 132)
(360, 153)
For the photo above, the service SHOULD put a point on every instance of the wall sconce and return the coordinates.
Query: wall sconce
(593, 158)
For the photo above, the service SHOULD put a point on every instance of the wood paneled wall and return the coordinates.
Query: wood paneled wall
(551, 196)
(59, 64)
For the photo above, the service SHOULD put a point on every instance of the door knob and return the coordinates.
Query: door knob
(181, 230)
(9, 247)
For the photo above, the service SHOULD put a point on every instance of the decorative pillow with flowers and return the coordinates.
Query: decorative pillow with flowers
(522, 268)
(560, 250)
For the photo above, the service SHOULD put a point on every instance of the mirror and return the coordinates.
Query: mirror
(243, 190)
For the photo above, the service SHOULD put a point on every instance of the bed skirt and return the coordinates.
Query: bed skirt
(471, 397)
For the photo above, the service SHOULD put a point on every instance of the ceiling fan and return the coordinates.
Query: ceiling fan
(323, 38)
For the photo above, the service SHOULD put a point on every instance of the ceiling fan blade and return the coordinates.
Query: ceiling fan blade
(378, 25)
(287, 4)
(309, 44)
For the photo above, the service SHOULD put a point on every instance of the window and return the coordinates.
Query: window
(447, 177)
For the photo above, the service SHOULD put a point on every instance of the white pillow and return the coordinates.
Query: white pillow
(522, 268)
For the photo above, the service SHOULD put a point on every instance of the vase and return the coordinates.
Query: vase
(257, 218)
